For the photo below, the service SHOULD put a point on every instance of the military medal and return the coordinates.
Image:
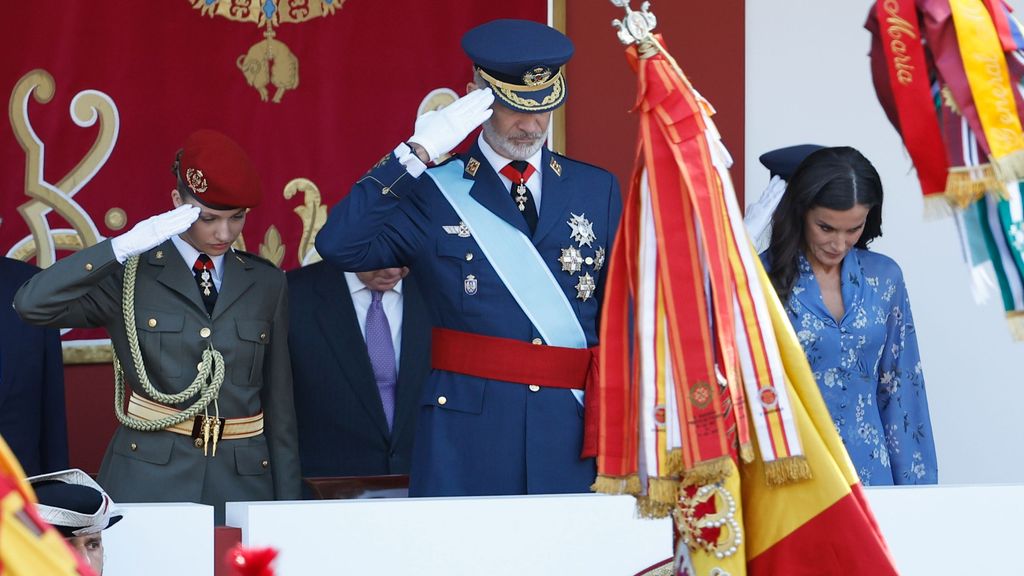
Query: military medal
(461, 230)
(205, 282)
(470, 285)
(571, 260)
(521, 195)
(585, 287)
(582, 229)
(599, 259)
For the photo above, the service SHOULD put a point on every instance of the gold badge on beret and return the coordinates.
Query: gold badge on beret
(196, 180)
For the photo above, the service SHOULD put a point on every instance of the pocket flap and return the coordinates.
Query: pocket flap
(456, 392)
(252, 460)
(152, 447)
(455, 247)
(254, 330)
(158, 320)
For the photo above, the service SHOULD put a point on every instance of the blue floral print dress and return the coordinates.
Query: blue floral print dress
(868, 368)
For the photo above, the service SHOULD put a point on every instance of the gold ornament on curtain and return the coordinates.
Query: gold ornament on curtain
(269, 61)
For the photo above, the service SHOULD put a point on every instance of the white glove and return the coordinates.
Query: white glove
(758, 219)
(153, 231)
(438, 131)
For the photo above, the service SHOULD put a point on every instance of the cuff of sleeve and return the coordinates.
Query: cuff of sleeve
(406, 157)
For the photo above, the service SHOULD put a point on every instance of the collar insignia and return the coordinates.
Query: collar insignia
(555, 166)
(159, 254)
(472, 166)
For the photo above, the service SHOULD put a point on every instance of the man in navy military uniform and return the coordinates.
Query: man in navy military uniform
(509, 244)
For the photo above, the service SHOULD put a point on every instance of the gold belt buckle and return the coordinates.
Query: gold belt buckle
(201, 431)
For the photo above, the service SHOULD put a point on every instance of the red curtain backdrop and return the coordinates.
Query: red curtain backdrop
(707, 40)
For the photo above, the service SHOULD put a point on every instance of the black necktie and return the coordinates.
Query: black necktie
(519, 171)
(203, 270)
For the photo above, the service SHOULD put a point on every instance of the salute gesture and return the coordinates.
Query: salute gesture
(438, 131)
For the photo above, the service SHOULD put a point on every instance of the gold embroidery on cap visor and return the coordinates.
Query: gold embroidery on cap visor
(195, 180)
(510, 92)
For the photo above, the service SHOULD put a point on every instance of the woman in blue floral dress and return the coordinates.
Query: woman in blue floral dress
(851, 312)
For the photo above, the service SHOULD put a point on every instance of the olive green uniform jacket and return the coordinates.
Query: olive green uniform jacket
(249, 326)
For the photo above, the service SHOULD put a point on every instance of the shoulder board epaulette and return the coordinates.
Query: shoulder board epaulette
(446, 159)
(244, 256)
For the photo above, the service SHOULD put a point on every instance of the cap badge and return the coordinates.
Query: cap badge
(195, 180)
(537, 75)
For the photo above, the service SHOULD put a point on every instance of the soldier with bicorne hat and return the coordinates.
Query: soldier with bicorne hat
(202, 378)
(510, 243)
(73, 503)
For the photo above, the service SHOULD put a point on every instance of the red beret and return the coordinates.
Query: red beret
(216, 170)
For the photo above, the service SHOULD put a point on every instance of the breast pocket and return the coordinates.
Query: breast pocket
(253, 336)
(161, 340)
(467, 281)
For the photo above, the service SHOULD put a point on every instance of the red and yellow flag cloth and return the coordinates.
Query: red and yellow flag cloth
(28, 545)
(696, 352)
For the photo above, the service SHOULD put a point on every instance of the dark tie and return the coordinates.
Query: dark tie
(203, 270)
(382, 354)
(519, 171)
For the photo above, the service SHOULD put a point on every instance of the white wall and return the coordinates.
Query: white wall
(808, 81)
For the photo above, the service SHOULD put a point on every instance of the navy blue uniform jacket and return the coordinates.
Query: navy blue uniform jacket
(486, 436)
(32, 413)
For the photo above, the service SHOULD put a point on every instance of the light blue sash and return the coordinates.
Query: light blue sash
(515, 259)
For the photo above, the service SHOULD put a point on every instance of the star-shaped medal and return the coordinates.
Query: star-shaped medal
(585, 287)
(582, 229)
(571, 260)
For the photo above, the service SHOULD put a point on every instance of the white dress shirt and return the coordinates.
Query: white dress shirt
(497, 161)
(392, 301)
(190, 255)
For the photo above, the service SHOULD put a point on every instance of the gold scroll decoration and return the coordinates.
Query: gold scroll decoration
(87, 107)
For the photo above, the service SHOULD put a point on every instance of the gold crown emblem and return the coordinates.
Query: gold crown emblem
(195, 180)
(537, 75)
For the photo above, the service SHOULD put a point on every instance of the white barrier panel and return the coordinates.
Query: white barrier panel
(503, 535)
(951, 529)
(162, 539)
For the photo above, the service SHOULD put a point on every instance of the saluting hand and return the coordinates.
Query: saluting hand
(153, 231)
(438, 131)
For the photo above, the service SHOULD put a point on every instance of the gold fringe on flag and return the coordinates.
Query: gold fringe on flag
(747, 452)
(1009, 168)
(648, 508)
(937, 207)
(674, 462)
(616, 485)
(664, 490)
(708, 472)
(786, 470)
(967, 184)
(1015, 319)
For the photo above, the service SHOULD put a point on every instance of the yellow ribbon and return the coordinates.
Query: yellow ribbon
(989, 79)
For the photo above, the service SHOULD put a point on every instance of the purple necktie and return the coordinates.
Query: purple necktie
(382, 354)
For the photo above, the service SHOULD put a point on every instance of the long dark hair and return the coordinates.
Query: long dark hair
(834, 178)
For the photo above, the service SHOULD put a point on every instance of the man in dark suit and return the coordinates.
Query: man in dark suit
(345, 428)
(32, 418)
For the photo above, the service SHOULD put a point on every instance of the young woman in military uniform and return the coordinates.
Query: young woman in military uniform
(203, 381)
